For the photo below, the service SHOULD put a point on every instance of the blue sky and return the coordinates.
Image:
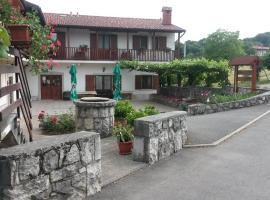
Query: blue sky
(198, 17)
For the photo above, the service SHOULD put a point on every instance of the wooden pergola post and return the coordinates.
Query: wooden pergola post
(254, 77)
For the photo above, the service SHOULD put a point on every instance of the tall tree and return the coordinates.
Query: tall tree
(223, 45)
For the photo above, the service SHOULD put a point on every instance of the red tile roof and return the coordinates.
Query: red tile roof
(118, 23)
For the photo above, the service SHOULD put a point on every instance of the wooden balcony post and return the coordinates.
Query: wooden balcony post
(68, 43)
(127, 40)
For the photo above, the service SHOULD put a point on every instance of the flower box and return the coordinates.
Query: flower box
(17, 4)
(19, 33)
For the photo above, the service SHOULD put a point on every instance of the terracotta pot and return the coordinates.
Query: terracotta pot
(125, 147)
(17, 4)
(19, 33)
(121, 121)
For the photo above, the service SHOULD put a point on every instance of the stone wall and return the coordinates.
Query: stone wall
(66, 167)
(95, 116)
(159, 136)
(198, 109)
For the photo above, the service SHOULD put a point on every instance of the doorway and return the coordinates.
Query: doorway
(51, 87)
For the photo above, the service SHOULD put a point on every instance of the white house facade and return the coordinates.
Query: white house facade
(96, 44)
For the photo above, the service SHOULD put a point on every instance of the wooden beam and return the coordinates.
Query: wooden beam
(254, 78)
(8, 69)
(9, 109)
(9, 89)
(235, 85)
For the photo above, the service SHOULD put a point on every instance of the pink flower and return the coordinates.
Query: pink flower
(53, 119)
(41, 115)
(43, 47)
(58, 43)
(52, 45)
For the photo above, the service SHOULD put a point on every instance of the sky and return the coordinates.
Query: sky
(198, 17)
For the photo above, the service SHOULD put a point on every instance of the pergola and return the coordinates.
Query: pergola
(243, 74)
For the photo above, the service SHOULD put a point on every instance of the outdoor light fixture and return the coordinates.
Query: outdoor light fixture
(104, 69)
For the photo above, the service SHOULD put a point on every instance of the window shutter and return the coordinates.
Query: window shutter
(90, 83)
(138, 82)
(113, 44)
(162, 43)
(156, 82)
(136, 42)
(93, 41)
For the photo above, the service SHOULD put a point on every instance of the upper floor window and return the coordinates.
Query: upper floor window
(140, 42)
(105, 41)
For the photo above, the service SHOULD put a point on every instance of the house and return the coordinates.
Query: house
(261, 50)
(95, 44)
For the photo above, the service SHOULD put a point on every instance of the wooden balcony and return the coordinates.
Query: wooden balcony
(73, 53)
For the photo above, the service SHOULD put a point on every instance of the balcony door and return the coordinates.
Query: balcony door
(103, 47)
(61, 53)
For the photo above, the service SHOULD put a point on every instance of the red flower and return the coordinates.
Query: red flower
(41, 115)
(53, 119)
(58, 43)
(43, 47)
(52, 45)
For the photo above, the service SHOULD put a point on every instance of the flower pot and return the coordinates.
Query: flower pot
(17, 4)
(125, 147)
(19, 33)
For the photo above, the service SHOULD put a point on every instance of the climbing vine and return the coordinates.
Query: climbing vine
(187, 72)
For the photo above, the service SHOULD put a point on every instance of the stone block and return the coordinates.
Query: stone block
(8, 173)
(97, 148)
(153, 150)
(72, 155)
(28, 167)
(138, 151)
(50, 161)
(87, 153)
(65, 172)
(178, 141)
(89, 123)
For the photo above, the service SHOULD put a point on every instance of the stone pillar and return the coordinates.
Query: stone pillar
(159, 136)
(62, 167)
(95, 114)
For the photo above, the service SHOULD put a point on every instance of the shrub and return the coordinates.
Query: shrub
(146, 111)
(123, 108)
(60, 124)
(222, 98)
(123, 133)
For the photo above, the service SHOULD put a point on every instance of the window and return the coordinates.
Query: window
(107, 41)
(103, 82)
(140, 42)
(146, 82)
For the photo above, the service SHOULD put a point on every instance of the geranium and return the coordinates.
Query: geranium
(53, 119)
(41, 115)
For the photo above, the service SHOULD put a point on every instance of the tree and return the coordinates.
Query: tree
(266, 61)
(223, 45)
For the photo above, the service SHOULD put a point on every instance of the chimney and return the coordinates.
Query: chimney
(167, 16)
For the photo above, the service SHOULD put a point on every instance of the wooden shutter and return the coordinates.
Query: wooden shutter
(90, 83)
(138, 82)
(93, 41)
(136, 42)
(162, 43)
(113, 44)
(155, 82)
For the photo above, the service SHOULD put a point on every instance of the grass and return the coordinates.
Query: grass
(221, 98)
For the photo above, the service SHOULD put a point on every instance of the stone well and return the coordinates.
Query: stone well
(95, 114)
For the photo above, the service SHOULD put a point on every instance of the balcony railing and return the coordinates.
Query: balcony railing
(73, 53)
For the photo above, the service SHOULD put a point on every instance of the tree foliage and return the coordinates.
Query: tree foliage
(200, 71)
(223, 45)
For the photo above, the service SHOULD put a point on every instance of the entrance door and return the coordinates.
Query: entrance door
(51, 87)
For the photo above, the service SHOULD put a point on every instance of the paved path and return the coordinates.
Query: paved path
(206, 129)
(237, 169)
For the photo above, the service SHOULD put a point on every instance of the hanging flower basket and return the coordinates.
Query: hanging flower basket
(17, 4)
(19, 33)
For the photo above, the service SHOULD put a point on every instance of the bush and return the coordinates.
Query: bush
(146, 111)
(60, 124)
(222, 98)
(123, 108)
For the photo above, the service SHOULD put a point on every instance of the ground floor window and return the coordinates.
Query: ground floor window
(146, 82)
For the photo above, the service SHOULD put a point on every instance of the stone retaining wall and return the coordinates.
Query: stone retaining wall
(66, 167)
(198, 109)
(159, 136)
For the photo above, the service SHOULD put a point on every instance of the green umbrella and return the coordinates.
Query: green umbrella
(117, 82)
(73, 72)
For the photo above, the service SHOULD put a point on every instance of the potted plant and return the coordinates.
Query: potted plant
(83, 47)
(124, 135)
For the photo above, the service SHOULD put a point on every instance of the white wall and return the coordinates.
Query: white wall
(82, 36)
(128, 77)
